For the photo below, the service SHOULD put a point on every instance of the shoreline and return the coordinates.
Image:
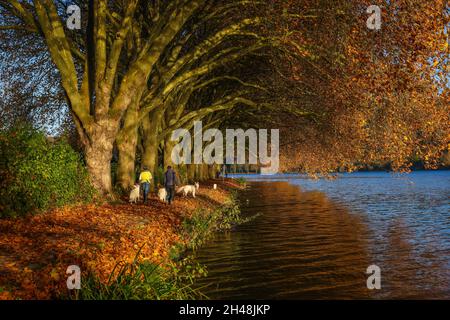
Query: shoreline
(233, 174)
(36, 250)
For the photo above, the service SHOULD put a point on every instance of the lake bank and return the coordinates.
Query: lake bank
(35, 251)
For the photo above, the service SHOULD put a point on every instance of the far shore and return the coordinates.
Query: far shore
(230, 174)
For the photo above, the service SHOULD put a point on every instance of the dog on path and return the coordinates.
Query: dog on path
(134, 194)
(162, 194)
(189, 189)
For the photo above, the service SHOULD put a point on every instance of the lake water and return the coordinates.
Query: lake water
(314, 239)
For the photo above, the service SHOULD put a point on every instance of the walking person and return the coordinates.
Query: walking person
(144, 179)
(170, 182)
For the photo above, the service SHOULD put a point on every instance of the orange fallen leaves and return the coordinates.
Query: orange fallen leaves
(35, 251)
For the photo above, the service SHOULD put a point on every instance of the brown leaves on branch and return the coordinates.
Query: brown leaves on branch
(381, 96)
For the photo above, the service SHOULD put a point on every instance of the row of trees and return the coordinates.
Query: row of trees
(341, 93)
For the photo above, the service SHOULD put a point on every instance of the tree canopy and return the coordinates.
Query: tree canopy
(342, 94)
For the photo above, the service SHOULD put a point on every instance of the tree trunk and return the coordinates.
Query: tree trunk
(203, 172)
(126, 164)
(168, 147)
(212, 171)
(150, 126)
(150, 155)
(191, 173)
(98, 156)
(126, 145)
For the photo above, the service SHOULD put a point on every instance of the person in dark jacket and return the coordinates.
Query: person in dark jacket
(170, 183)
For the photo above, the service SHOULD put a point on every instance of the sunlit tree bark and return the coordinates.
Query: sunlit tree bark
(96, 105)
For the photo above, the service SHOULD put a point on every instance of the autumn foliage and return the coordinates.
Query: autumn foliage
(381, 97)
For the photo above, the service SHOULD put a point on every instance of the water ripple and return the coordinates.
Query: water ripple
(315, 239)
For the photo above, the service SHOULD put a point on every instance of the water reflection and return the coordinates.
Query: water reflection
(308, 245)
(412, 271)
(302, 246)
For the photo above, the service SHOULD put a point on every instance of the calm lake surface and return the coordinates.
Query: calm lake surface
(314, 239)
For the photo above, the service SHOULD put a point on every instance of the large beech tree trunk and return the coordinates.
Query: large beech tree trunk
(168, 147)
(98, 154)
(126, 145)
(150, 126)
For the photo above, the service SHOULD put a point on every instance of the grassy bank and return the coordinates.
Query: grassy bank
(124, 251)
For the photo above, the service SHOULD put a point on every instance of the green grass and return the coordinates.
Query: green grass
(241, 181)
(203, 224)
(144, 281)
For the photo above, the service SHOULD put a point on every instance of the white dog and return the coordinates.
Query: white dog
(134, 194)
(189, 189)
(162, 194)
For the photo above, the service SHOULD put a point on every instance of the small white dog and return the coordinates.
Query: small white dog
(189, 189)
(135, 193)
(162, 194)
